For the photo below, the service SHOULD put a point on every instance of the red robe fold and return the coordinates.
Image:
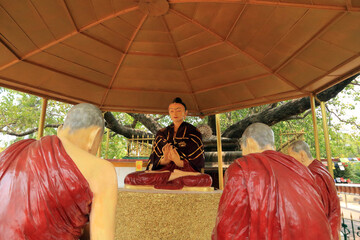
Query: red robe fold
(329, 195)
(270, 195)
(43, 195)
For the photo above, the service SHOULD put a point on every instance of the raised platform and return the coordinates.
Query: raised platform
(162, 214)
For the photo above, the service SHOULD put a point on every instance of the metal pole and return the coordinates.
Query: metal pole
(42, 118)
(316, 135)
(219, 150)
(327, 140)
(107, 143)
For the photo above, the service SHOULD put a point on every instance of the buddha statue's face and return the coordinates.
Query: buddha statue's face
(177, 113)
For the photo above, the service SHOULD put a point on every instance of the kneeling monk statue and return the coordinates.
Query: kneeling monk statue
(269, 195)
(50, 188)
(300, 150)
(177, 156)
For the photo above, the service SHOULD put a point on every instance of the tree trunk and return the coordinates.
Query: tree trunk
(212, 123)
(127, 132)
(283, 112)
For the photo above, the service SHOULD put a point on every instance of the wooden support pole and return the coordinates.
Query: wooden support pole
(327, 140)
(219, 151)
(316, 134)
(42, 118)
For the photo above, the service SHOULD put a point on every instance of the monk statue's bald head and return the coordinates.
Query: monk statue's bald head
(257, 137)
(83, 115)
(83, 127)
(300, 150)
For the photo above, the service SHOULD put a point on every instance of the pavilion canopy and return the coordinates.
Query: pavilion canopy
(218, 55)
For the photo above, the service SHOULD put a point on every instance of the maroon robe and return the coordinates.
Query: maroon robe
(43, 195)
(270, 195)
(188, 144)
(329, 195)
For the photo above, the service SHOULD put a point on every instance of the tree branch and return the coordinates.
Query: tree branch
(21, 134)
(282, 112)
(342, 120)
(297, 117)
(149, 122)
(127, 132)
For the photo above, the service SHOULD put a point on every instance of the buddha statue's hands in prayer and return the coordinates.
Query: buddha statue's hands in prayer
(175, 157)
(165, 159)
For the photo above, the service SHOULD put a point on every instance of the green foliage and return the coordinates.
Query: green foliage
(20, 112)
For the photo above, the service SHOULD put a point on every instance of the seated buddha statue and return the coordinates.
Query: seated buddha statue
(177, 156)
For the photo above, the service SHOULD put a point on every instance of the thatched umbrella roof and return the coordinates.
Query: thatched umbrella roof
(218, 55)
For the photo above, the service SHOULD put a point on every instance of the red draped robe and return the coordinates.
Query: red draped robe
(329, 195)
(270, 195)
(43, 195)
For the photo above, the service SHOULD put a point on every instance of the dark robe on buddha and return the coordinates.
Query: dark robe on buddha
(43, 195)
(329, 195)
(270, 195)
(188, 144)
(190, 148)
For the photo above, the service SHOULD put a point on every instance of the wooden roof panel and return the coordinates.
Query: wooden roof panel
(84, 59)
(154, 48)
(127, 55)
(153, 36)
(185, 31)
(53, 81)
(301, 33)
(94, 48)
(238, 92)
(257, 86)
(279, 24)
(355, 3)
(226, 18)
(226, 64)
(120, 26)
(6, 55)
(56, 16)
(36, 30)
(173, 21)
(82, 12)
(348, 67)
(300, 73)
(324, 55)
(345, 33)
(13, 36)
(207, 101)
(107, 37)
(231, 77)
(206, 13)
(153, 62)
(154, 24)
(188, 9)
(249, 24)
(154, 77)
(120, 5)
(147, 83)
(207, 55)
(135, 103)
(102, 8)
(70, 68)
(133, 17)
(195, 42)
(340, 3)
